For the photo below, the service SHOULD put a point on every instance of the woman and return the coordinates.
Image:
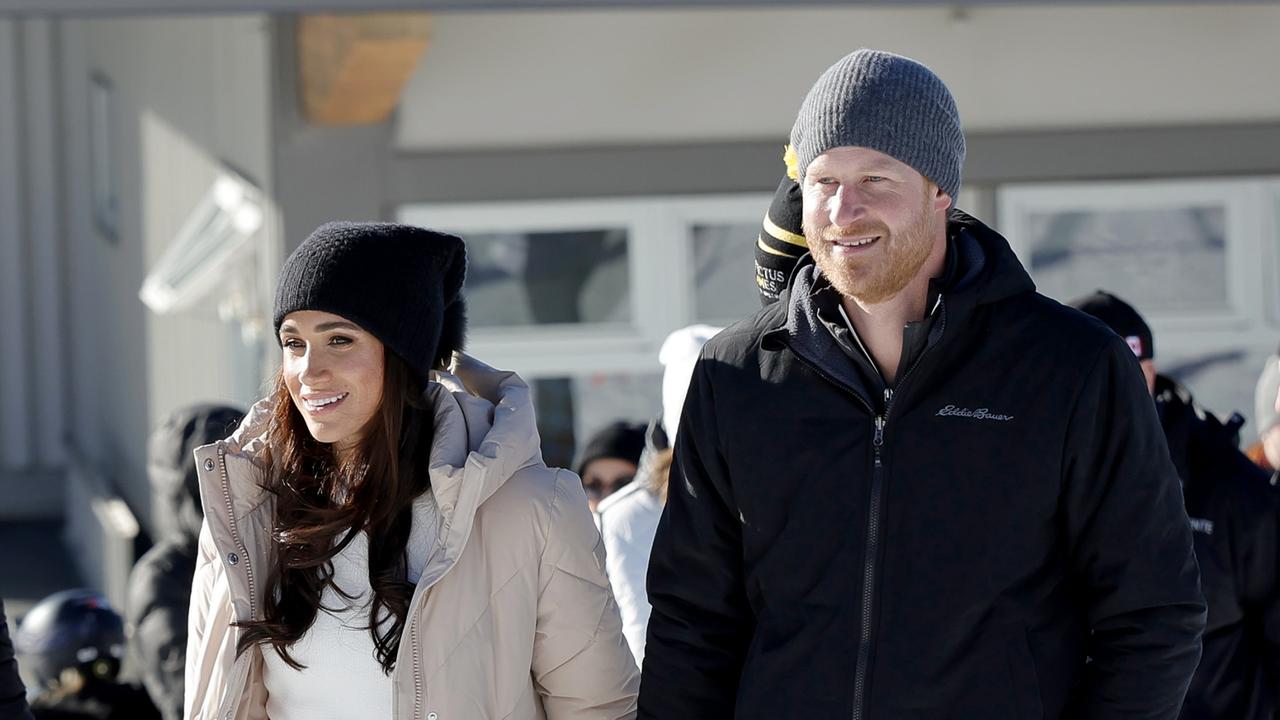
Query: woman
(382, 538)
(629, 518)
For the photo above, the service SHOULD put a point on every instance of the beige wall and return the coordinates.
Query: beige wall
(544, 78)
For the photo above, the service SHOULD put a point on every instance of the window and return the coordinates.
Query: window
(518, 279)
(1173, 249)
(1196, 257)
(577, 296)
(722, 257)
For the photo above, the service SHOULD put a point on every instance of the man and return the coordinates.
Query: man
(781, 243)
(913, 487)
(1235, 513)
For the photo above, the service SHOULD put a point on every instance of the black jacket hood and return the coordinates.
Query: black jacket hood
(171, 465)
(984, 270)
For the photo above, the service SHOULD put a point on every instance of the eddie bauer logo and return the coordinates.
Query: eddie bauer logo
(979, 414)
(1201, 525)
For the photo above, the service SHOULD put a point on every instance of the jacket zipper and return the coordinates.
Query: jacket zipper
(235, 530)
(417, 674)
(225, 711)
(873, 532)
(869, 570)
(873, 515)
(872, 543)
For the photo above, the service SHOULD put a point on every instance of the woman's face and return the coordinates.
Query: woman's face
(333, 370)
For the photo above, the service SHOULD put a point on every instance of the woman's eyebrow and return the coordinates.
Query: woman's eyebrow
(336, 325)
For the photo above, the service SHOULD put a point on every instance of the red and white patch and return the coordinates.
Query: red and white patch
(1135, 344)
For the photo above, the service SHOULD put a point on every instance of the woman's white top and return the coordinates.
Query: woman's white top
(342, 678)
(628, 523)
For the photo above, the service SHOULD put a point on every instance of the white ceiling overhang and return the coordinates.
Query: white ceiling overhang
(115, 7)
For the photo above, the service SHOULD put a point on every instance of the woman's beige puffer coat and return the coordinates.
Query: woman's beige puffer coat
(512, 619)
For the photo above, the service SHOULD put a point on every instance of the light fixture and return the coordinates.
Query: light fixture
(216, 233)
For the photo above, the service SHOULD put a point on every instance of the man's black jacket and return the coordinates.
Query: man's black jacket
(955, 550)
(1235, 516)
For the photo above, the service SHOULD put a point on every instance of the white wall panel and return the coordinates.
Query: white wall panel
(15, 360)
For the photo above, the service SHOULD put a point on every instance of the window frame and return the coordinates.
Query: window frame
(660, 270)
(1242, 201)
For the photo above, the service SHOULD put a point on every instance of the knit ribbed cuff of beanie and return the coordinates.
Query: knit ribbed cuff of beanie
(888, 103)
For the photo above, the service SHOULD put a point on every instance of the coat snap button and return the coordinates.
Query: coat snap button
(432, 716)
(208, 465)
(233, 558)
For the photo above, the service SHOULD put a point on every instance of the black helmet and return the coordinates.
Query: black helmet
(70, 629)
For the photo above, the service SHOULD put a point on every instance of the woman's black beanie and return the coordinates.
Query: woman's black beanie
(401, 283)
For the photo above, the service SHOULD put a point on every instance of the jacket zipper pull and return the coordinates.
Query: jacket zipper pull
(878, 440)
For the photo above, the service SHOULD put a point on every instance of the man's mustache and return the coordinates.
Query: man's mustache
(833, 233)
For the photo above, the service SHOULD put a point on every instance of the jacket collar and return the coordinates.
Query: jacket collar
(984, 270)
(484, 433)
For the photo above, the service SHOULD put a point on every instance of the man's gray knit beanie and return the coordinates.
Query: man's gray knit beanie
(885, 102)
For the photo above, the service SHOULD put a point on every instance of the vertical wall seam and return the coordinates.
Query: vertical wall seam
(15, 403)
(44, 232)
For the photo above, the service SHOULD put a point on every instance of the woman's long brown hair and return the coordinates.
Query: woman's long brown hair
(322, 503)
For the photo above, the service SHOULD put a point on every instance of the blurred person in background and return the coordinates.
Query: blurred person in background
(868, 513)
(610, 460)
(629, 517)
(1265, 453)
(72, 644)
(1235, 519)
(13, 696)
(159, 596)
(781, 244)
(383, 538)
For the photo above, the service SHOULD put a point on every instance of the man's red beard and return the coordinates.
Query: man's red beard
(883, 272)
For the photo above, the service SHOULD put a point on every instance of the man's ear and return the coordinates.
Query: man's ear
(941, 200)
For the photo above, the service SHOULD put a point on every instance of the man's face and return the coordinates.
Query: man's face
(871, 221)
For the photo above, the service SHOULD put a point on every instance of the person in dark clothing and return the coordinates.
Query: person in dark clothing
(1235, 513)
(781, 242)
(72, 643)
(160, 585)
(13, 696)
(914, 487)
(610, 460)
